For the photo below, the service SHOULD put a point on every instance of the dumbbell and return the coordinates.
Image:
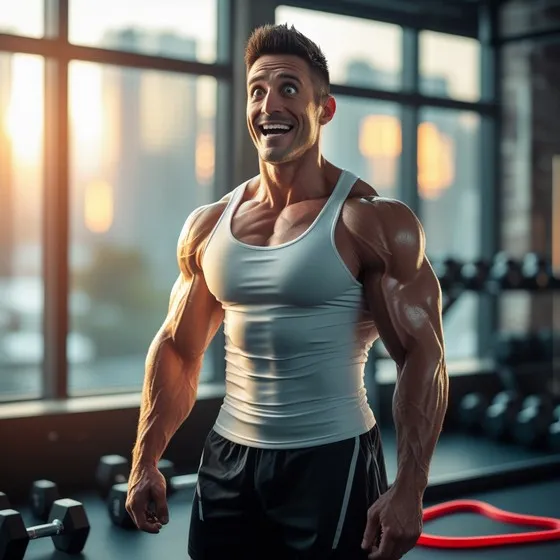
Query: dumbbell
(505, 272)
(116, 502)
(111, 469)
(475, 274)
(68, 526)
(500, 415)
(536, 271)
(533, 421)
(554, 431)
(472, 409)
(42, 496)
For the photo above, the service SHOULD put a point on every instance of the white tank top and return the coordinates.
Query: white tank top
(297, 334)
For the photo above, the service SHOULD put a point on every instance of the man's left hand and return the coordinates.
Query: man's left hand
(394, 524)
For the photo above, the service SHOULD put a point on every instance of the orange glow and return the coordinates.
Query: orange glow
(380, 136)
(98, 206)
(436, 170)
(24, 119)
(205, 158)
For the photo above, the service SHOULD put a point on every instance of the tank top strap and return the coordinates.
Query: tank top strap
(339, 195)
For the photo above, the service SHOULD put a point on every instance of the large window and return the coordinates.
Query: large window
(135, 155)
(136, 136)
(136, 173)
(21, 249)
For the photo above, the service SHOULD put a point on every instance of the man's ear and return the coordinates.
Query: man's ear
(328, 109)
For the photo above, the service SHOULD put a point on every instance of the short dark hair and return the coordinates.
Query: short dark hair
(281, 39)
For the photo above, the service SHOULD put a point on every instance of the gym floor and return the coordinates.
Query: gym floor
(454, 454)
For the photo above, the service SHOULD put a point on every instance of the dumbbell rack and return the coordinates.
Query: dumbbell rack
(454, 285)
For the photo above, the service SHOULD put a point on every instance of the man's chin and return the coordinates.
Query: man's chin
(274, 156)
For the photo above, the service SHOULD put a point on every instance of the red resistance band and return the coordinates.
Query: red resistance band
(552, 526)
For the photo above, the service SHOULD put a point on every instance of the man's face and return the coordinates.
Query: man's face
(284, 116)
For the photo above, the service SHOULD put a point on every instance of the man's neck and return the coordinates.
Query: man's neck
(285, 184)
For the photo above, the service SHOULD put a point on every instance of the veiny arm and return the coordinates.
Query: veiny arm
(176, 353)
(404, 297)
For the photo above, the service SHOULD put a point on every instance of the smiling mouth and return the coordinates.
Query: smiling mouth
(272, 130)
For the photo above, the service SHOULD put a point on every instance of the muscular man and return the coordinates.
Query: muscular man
(306, 266)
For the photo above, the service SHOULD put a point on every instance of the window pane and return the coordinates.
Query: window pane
(371, 57)
(21, 192)
(365, 137)
(25, 17)
(185, 30)
(142, 145)
(448, 168)
(449, 66)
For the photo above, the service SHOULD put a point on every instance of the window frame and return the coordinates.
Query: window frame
(479, 22)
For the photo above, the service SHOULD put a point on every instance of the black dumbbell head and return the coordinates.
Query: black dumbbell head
(501, 414)
(112, 469)
(76, 525)
(116, 506)
(42, 496)
(4, 502)
(536, 272)
(506, 272)
(13, 535)
(532, 425)
(475, 274)
(540, 402)
(472, 409)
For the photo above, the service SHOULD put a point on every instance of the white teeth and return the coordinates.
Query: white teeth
(276, 126)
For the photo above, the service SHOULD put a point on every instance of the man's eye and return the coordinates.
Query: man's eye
(290, 90)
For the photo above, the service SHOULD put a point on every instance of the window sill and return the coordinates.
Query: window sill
(93, 403)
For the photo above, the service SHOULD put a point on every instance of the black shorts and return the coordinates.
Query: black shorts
(285, 504)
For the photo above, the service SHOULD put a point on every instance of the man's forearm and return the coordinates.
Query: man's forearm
(419, 407)
(168, 396)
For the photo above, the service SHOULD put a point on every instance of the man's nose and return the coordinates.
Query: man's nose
(272, 103)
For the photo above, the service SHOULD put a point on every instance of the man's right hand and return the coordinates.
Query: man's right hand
(146, 501)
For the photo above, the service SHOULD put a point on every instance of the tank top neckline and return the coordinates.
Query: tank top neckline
(239, 196)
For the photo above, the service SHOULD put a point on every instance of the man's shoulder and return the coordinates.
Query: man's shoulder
(383, 228)
(202, 220)
(368, 208)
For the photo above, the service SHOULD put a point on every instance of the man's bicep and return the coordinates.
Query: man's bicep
(194, 316)
(406, 311)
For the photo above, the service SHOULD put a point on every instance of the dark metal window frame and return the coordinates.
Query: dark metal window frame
(58, 52)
